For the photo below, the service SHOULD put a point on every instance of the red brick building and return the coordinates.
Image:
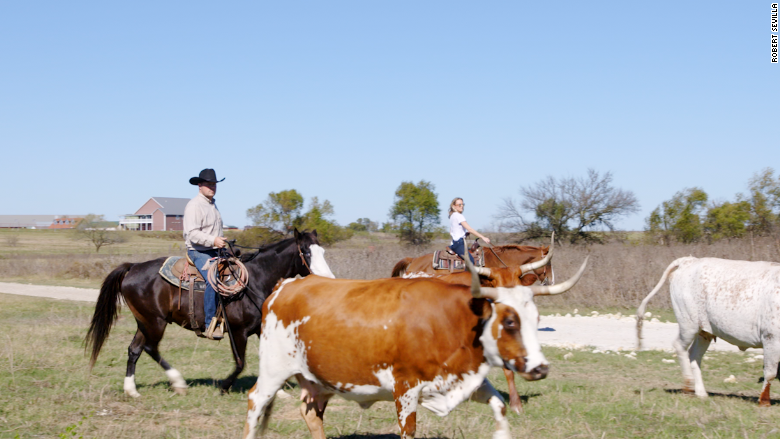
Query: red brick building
(159, 213)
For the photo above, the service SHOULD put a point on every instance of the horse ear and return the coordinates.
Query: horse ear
(314, 232)
(297, 234)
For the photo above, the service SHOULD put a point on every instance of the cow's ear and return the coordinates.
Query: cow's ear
(481, 308)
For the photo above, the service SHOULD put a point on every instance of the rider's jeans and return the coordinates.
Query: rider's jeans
(459, 247)
(210, 297)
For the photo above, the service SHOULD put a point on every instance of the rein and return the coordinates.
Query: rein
(490, 246)
(300, 253)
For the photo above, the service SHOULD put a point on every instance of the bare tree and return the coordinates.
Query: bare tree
(571, 207)
(93, 229)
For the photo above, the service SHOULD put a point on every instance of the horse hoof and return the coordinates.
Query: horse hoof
(180, 391)
(133, 394)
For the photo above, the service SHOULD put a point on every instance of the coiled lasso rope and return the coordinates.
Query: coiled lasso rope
(239, 271)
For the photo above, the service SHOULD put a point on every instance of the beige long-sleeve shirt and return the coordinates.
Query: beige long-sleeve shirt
(202, 223)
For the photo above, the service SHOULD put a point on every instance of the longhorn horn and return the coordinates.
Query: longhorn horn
(531, 266)
(477, 291)
(483, 271)
(562, 287)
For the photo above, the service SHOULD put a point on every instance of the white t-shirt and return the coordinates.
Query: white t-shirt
(457, 231)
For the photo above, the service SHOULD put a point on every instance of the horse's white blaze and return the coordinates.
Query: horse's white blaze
(318, 264)
(130, 386)
(176, 379)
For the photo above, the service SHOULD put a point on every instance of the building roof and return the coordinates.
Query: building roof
(29, 221)
(172, 206)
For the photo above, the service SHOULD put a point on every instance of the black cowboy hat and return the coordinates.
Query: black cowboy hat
(206, 176)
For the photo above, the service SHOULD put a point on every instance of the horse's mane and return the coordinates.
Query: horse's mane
(521, 248)
(275, 248)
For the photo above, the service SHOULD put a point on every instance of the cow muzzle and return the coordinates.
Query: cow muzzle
(538, 373)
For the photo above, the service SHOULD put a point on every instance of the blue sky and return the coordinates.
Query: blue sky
(106, 104)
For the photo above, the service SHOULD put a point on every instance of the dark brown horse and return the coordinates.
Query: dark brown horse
(155, 303)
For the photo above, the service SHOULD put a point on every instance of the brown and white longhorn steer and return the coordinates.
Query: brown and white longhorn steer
(498, 277)
(412, 341)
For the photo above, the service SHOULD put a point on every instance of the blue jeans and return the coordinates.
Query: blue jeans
(459, 247)
(210, 296)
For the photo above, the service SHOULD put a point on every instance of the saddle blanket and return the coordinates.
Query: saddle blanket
(445, 261)
(166, 271)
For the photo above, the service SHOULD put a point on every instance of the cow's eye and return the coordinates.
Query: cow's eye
(510, 324)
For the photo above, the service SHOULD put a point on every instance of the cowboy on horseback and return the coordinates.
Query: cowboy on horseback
(203, 236)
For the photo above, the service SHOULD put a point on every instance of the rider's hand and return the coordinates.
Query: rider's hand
(219, 242)
(486, 239)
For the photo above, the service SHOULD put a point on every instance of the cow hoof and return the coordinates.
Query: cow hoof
(180, 391)
(518, 409)
(132, 393)
(764, 403)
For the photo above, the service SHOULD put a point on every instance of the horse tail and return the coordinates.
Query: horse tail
(400, 267)
(106, 311)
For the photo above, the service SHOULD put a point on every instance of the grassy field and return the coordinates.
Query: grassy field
(47, 391)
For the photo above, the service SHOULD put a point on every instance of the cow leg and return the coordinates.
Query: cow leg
(260, 401)
(514, 399)
(681, 344)
(771, 360)
(487, 394)
(406, 408)
(696, 353)
(313, 413)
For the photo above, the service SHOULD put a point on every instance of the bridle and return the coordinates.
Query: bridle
(303, 259)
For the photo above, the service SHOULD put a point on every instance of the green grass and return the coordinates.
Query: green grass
(47, 390)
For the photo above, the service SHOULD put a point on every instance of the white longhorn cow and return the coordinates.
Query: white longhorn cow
(738, 301)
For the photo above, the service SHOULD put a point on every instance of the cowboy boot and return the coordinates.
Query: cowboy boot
(214, 332)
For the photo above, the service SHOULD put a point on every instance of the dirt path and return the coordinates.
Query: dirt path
(602, 332)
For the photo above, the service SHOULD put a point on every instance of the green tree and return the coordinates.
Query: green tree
(280, 211)
(679, 218)
(727, 220)
(316, 218)
(764, 201)
(363, 225)
(571, 207)
(415, 211)
(94, 228)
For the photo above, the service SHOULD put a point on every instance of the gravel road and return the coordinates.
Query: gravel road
(603, 332)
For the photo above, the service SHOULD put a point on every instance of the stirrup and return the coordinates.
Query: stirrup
(215, 331)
